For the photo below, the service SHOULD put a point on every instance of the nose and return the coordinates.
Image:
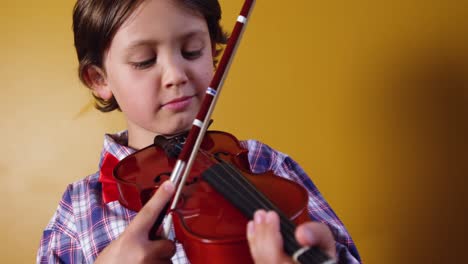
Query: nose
(174, 73)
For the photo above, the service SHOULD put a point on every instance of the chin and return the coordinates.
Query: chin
(177, 128)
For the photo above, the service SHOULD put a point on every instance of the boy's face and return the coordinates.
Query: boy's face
(158, 67)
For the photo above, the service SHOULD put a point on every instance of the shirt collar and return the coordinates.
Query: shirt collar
(116, 145)
(115, 149)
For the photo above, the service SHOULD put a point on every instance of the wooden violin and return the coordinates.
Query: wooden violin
(219, 197)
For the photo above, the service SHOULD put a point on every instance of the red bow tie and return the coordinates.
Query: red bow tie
(110, 190)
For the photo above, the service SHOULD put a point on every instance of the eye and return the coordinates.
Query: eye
(191, 55)
(144, 64)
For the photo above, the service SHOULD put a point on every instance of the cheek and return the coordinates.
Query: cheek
(203, 83)
(132, 91)
(207, 77)
(124, 81)
(206, 74)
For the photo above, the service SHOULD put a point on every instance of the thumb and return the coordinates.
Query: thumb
(144, 220)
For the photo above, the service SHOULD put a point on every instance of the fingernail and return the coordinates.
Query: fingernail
(168, 186)
(269, 216)
(259, 217)
(309, 235)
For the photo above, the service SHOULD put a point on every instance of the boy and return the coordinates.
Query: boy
(153, 59)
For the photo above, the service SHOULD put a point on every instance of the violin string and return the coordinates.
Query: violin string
(262, 202)
(235, 183)
(257, 196)
(287, 227)
(289, 240)
(237, 189)
(311, 255)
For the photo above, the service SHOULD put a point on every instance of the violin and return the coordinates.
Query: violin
(217, 192)
(219, 197)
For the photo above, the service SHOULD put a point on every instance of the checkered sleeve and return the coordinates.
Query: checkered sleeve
(263, 158)
(320, 211)
(59, 243)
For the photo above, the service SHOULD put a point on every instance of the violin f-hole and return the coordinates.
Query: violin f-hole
(217, 155)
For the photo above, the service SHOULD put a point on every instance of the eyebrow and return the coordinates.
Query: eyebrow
(151, 42)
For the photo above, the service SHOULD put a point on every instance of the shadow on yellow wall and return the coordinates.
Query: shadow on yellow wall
(368, 96)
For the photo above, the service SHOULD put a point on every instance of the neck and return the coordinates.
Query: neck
(139, 138)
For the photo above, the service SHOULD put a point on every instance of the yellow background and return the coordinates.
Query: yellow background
(367, 95)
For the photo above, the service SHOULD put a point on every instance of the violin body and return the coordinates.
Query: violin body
(210, 228)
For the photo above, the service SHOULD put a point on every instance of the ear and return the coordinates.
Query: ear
(96, 80)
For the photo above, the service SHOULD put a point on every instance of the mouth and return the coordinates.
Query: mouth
(178, 104)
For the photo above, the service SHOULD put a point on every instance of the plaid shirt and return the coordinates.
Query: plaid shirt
(84, 225)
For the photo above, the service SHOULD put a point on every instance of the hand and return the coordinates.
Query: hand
(133, 246)
(266, 243)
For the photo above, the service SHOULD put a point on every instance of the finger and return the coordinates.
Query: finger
(163, 249)
(317, 234)
(144, 220)
(264, 237)
(253, 227)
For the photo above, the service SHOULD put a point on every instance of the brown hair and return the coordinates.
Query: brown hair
(95, 23)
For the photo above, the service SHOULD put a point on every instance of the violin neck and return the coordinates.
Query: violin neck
(233, 186)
